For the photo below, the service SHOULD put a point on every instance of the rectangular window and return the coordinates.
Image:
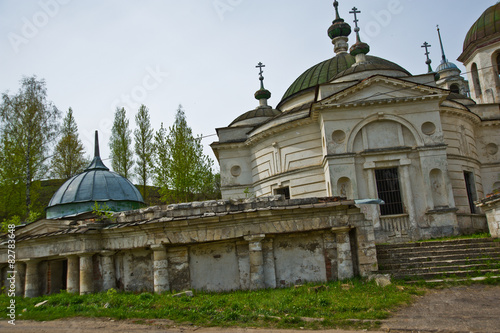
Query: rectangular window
(285, 191)
(388, 190)
(470, 186)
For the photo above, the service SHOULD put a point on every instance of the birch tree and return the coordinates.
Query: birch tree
(29, 124)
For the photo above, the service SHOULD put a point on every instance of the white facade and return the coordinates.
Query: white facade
(350, 136)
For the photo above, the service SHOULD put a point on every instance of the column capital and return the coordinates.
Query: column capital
(85, 254)
(157, 247)
(30, 260)
(107, 253)
(254, 238)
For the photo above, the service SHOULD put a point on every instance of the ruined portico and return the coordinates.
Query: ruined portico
(214, 245)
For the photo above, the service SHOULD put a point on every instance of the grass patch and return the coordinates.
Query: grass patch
(349, 304)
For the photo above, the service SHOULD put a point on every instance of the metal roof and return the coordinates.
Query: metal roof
(338, 66)
(96, 184)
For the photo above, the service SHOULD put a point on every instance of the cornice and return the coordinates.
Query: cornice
(277, 129)
(461, 113)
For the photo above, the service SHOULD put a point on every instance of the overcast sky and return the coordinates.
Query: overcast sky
(99, 54)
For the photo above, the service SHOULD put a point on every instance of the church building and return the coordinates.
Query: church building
(362, 127)
(358, 151)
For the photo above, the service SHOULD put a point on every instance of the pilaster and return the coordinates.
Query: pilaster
(345, 269)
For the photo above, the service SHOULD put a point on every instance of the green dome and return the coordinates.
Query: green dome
(486, 25)
(334, 68)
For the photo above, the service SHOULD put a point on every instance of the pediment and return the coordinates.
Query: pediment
(378, 90)
(42, 227)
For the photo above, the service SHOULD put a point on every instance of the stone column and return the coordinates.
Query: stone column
(73, 275)
(86, 274)
(372, 192)
(408, 194)
(32, 283)
(160, 269)
(108, 270)
(256, 261)
(20, 272)
(345, 267)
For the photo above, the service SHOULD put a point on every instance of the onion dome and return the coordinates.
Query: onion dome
(359, 47)
(262, 94)
(96, 184)
(338, 28)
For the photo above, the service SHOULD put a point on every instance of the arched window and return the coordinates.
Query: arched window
(455, 88)
(475, 80)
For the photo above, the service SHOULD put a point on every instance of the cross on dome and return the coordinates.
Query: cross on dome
(428, 61)
(355, 11)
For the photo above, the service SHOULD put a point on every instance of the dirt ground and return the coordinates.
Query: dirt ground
(460, 309)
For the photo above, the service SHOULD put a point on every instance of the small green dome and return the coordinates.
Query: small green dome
(262, 94)
(486, 25)
(338, 28)
(359, 48)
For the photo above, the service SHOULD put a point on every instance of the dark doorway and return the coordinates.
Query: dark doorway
(470, 186)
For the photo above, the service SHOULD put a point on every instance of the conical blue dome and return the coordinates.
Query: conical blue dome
(79, 194)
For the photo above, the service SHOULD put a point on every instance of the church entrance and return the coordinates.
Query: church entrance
(389, 190)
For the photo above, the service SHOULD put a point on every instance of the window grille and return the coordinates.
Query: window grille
(388, 190)
(285, 191)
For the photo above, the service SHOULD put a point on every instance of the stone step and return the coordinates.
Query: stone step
(441, 256)
(469, 252)
(438, 262)
(439, 243)
(462, 258)
(441, 269)
(416, 247)
(447, 274)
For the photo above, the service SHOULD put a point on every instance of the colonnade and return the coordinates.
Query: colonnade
(80, 266)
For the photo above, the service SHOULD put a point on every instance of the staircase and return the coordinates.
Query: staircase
(436, 261)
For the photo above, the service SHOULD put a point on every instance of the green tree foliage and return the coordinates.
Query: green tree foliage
(143, 138)
(68, 159)
(182, 172)
(120, 144)
(28, 126)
